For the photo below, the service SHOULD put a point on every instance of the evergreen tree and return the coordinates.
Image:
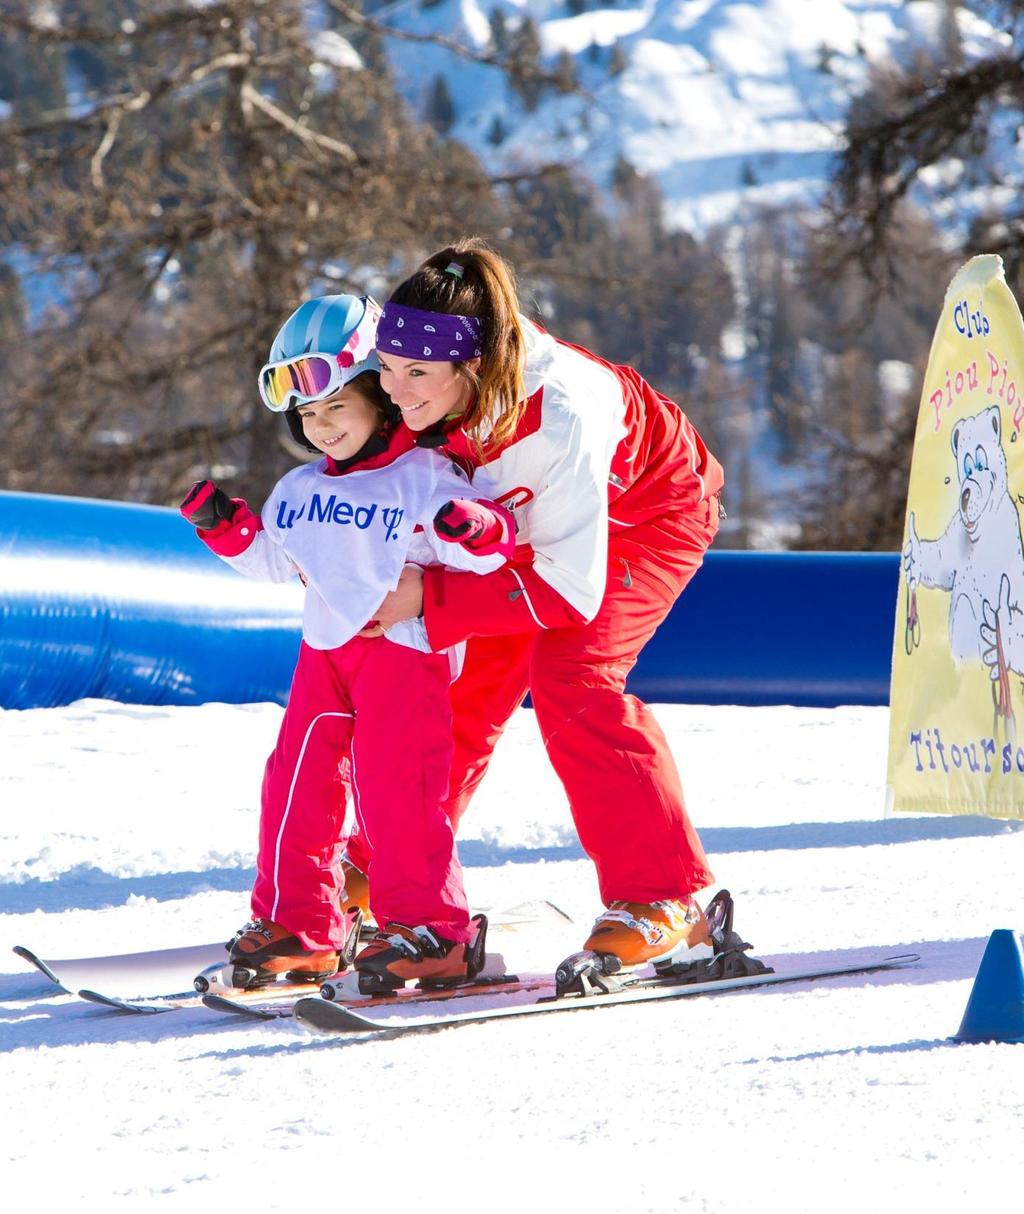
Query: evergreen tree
(499, 31)
(496, 133)
(440, 108)
(624, 176)
(523, 63)
(565, 72)
(623, 286)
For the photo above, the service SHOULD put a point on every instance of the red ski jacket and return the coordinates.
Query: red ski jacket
(597, 452)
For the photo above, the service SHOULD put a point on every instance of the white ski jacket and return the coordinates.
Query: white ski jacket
(348, 536)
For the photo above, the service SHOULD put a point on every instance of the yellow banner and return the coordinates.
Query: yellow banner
(958, 653)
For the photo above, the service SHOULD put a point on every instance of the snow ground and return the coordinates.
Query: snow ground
(124, 827)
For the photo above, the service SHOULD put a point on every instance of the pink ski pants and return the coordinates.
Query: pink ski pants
(383, 712)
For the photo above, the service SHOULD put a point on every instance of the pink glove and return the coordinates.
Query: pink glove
(225, 524)
(205, 506)
(478, 525)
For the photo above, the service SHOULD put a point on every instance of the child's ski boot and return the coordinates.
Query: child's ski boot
(262, 951)
(400, 954)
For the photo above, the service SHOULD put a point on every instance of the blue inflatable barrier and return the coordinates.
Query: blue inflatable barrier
(122, 602)
(804, 628)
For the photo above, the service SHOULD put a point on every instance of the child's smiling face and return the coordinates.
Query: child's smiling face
(340, 425)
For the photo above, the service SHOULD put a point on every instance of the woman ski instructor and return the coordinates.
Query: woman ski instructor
(615, 498)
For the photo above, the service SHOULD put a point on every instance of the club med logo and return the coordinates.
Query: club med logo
(341, 513)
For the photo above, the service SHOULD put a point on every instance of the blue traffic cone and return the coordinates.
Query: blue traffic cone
(995, 1010)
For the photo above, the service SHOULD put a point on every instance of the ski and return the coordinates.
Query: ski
(165, 980)
(280, 993)
(326, 1017)
(497, 983)
(250, 1011)
(148, 972)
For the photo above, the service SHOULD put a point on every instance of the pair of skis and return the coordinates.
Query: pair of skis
(327, 1017)
(583, 981)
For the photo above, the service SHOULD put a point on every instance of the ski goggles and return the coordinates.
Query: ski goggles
(314, 376)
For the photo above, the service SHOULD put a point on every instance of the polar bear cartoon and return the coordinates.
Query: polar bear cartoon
(979, 559)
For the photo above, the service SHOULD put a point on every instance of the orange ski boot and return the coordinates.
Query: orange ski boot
(357, 895)
(400, 954)
(262, 951)
(638, 932)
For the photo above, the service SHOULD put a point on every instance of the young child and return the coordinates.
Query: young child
(376, 703)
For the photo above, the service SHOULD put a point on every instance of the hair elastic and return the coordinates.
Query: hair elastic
(454, 269)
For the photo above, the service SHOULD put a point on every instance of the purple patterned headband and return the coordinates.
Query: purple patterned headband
(428, 336)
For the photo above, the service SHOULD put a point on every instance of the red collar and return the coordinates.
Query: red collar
(458, 445)
(400, 440)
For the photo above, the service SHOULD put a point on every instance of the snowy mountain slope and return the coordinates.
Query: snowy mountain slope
(723, 102)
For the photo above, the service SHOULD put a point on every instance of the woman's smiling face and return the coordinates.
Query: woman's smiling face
(426, 392)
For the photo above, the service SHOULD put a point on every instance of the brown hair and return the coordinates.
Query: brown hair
(367, 384)
(485, 289)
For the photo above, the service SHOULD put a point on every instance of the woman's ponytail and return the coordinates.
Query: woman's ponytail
(469, 278)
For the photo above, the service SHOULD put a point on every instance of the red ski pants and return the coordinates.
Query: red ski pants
(383, 711)
(608, 750)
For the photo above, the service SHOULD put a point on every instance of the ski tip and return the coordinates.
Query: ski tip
(219, 1003)
(531, 911)
(38, 963)
(558, 913)
(326, 1017)
(124, 1005)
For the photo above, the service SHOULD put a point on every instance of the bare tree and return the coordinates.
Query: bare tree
(860, 429)
(877, 267)
(169, 206)
(174, 178)
(938, 111)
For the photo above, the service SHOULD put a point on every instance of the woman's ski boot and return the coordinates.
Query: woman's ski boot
(684, 943)
(638, 932)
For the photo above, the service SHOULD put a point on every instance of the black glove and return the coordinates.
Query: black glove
(205, 506)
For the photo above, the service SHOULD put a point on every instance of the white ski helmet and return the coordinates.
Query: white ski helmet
(322, 346)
